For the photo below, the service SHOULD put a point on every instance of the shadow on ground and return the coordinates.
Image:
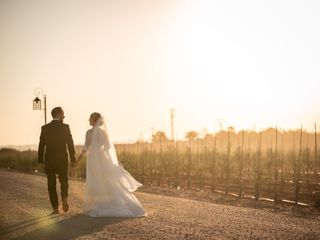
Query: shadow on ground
(73, 227)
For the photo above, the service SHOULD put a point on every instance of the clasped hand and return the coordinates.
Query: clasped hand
(74, 164)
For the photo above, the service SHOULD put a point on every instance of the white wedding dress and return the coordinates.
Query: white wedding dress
(109, 187)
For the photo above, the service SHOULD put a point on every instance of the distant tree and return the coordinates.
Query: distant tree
(141, 141)
(270, 131)
(192, 135)
(8, 150)
(159, 137)
(208, 137)
(231, 129)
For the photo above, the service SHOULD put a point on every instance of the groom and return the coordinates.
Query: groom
(52, 154)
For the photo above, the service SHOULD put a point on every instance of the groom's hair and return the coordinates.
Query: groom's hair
(56, 111)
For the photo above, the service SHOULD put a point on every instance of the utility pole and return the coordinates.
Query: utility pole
(219, 121)
(172, 111)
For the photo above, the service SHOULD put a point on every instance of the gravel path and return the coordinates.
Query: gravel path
(24, 209)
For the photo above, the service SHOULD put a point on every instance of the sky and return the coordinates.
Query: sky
(247, 64)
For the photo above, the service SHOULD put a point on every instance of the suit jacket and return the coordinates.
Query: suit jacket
(55, 138)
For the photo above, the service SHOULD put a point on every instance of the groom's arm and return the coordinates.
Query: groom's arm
(70, 145)
(41, 147)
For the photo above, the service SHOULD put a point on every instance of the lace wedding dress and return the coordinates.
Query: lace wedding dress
(109, 187)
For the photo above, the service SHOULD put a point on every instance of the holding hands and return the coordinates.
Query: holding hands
(75, 163)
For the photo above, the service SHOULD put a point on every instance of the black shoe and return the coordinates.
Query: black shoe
(65, 205)
(55, 211)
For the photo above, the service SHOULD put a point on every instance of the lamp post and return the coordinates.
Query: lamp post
(36, 103)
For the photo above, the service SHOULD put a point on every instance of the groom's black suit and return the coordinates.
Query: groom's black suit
(55, 138)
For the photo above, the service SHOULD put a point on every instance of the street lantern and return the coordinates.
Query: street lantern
(36, 104)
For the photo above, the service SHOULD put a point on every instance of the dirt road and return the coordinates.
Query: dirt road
(24, 209)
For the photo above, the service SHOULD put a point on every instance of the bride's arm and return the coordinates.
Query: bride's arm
(85, 146)
(83, 152)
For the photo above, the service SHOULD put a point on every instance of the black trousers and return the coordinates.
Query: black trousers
(52, 187)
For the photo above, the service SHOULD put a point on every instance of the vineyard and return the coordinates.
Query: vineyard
(272, 164)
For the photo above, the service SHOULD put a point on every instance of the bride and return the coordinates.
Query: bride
(109, 187)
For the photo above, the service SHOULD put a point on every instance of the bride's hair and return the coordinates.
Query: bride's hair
(95, 116)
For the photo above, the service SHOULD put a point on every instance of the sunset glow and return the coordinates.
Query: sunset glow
(242, 64)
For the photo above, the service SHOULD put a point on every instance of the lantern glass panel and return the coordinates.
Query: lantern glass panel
(36, 104)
